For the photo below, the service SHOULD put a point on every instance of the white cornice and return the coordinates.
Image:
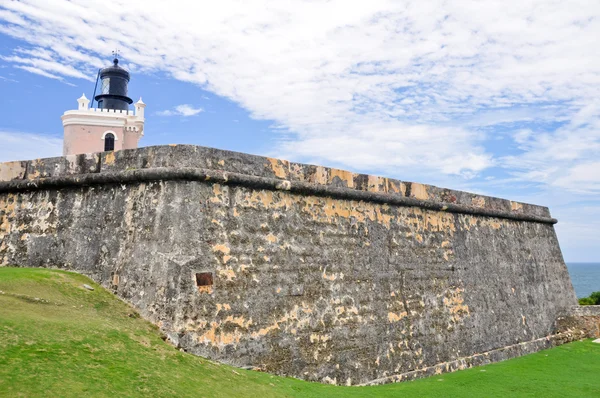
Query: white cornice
(96, 118)
(101, 112)
(94, 122)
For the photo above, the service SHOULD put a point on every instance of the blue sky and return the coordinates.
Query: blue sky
(495, 97)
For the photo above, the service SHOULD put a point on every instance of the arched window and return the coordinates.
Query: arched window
(109, 142)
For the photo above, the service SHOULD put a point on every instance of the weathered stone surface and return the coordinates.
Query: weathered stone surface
(586, 310)
(497, 355)
(582, 319)
(315, 286)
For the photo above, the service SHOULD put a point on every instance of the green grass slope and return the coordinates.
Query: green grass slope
(58, 339)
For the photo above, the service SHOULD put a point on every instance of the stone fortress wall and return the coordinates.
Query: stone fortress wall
(300, 270)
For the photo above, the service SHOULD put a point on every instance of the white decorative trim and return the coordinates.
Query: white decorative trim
(110, 132)
(94, 118)
(101, 112)
(88, 122)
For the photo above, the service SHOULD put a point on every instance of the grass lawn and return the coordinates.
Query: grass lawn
(58, 339)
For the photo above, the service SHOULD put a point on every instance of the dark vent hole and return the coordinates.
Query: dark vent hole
(204, 279)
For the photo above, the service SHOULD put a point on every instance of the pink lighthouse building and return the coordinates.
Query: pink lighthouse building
(110, 126)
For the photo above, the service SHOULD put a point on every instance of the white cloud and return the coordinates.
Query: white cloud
(566, 158)
(8, 80)
(40, 72)
(398, 86)
(181, 110)
(39, 61)
(20, 146)
(417, 77)
(323, 68)
(392, 146)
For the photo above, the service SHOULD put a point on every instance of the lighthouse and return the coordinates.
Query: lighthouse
(111, 125)
(113, 88)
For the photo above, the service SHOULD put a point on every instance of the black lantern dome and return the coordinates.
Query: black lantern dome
(113, 88)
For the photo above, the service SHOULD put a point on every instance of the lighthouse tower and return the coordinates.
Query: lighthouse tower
(109, 127)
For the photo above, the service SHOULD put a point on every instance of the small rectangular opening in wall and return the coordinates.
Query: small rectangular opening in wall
(115, 278)
(204, 279)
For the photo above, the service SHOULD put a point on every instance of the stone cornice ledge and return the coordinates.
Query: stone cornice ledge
(276, 184)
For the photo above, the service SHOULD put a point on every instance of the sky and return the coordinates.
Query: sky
(497, 97)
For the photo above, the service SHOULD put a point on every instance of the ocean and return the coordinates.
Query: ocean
(585, 278)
